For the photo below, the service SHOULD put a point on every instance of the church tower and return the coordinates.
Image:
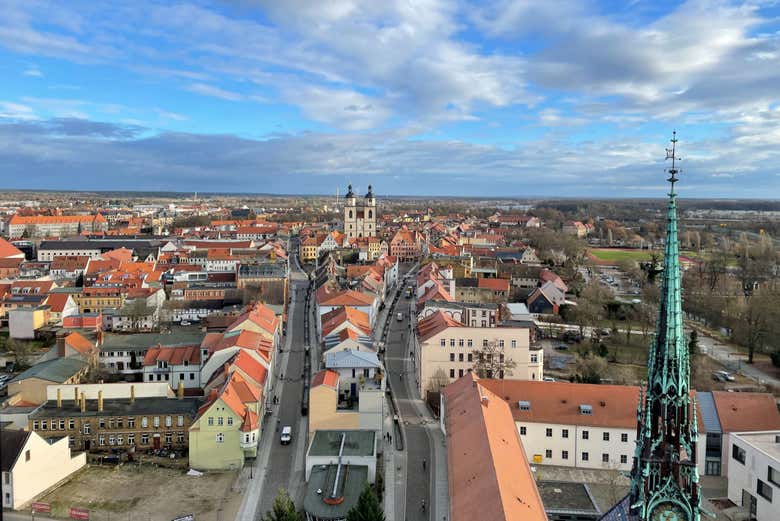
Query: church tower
(360, 215)
(664, 477)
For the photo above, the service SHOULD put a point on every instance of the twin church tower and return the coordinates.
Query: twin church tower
(359, 214)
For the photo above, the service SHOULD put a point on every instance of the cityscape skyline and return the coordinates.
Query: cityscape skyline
(533, 99)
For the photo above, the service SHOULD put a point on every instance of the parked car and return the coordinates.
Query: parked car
(185, 322)
(399, 317)
(286, 436)
(548, 379)
(723, 376)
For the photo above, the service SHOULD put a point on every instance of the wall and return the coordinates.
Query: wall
(48, 465)
(205, 452)
(113, 390)
(745, 476)
(536, 443)
(323, 414)
(32, 389)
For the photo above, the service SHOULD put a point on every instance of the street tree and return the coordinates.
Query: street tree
(490, 362)
(367, 507)
(283, 509)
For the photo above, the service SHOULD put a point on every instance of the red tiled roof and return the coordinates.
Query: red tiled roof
(332, 319)
(174, 355)
(57, 301)
(251, 367)
(745, 412)
(435, 324)
(488, 473)
(8, 250)
(344, 298)
(259, 314)
(493, 284)
(326, 377)
(79, 343)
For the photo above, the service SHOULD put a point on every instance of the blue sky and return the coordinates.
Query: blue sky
(426, 97)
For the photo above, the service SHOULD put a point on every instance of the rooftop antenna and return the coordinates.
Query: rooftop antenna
(671, 154)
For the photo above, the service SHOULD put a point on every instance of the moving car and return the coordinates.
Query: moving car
(399, 317)
(286, 436)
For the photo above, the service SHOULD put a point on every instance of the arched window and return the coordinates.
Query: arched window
(350, 214)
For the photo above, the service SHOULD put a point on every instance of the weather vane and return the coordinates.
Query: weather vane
(671, 154)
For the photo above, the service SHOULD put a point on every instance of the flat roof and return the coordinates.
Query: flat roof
(766, 441)
(119, 407)
(565, 497)
(358, 443)
(352, 479)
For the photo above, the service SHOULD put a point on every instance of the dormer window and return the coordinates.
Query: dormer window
(586, 409)
(524, 405)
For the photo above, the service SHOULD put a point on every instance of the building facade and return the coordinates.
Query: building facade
(754, 474)
(360, 216)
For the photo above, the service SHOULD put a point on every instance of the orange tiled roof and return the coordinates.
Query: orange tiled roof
(493, 284)
(57, 301)
(488, 473)
(332, 319)
(259, 314)
(746, 411)
(55, 219)
(173, 355)
(79, 343)
(326, 377)
(435, 324)
(344, 298)
(9, 250)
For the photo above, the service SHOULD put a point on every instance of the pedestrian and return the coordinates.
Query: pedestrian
(390, 437)
(424, 463)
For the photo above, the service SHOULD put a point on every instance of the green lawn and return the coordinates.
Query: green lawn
(616, 255)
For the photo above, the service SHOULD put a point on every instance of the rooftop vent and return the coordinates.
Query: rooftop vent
(586, 409)
(524, 405)
(603, 403)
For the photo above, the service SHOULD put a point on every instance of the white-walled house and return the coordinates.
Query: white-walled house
(32, 465)
(754, 474)
(174, 365)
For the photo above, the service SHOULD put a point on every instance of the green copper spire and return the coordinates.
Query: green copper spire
(664, 478)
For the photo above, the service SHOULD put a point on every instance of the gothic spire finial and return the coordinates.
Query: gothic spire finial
(671, 153)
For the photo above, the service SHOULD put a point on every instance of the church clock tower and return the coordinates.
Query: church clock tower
(664, 477)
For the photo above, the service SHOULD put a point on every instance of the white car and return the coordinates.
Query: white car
(185, 322)
(399, 317)
(286, 436)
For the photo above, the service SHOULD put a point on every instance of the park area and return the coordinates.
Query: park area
(146, 493)
(615, 255)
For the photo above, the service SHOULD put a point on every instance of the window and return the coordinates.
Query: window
(460, 357)
(111, 439)
(452, 357)
(131, 439)
(460, 342)
(605, 458)
(764, 490)
(522, 431)
(102, 423)
(180, 421)
(44, 425)
(230, 420)
(452, 373)
(27, 455)
(738, 453)
(501, 343)
(484, 342)
(35, 425)
(168, 421)
(110, 423)
(120, 423)
(534, 358)
(86, 428)
(144, 422)
(192, 376)
(585, 435)
(460, 372)
(220, 437)
(151, 377)
(773, 476)
(548, 433)
(156, 421)
(624, 437)
(211, 420)
(584, 456)
(72, 440)
(220, 421)
(470, 343)
(131, 423)
(168, 438)
(564, 433)
(548, 453)
(623, 458)
(513, 343)
(180, 437)
(452, 342)
(565, 454)
(101, 440)
(62, 425)
(144, 439)
(444, 342)
(119, 439)
(606, 436)
(470, 357)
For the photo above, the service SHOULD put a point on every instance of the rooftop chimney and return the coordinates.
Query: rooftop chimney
(100, 401)
(180, 390)
(83, 403)
(61, 346)
(76, 396)
(59, 398)
(132, 394)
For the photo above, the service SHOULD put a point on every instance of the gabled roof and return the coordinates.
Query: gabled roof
(334, 318)
(489, 476)
(744, 412)
(8, 250)
(259, 314)
(244, 339)
(174, 355)
(58, 370)
(79, 343)
(57, 301)
(13, 442)
(546, 275)
(344, 298)
(327, 377)
(351, 359)
(434, 324)
(251, 367)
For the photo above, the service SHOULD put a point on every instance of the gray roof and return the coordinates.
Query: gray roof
(12, 443)
(350, 358)
(564, 497)
(120, 407)
(58, 370)
(143, 341)
(357, 443)
(351, 482)
(709, 414)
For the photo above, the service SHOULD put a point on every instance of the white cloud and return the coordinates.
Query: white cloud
(214, 92)
(17, 111)
(34, 72)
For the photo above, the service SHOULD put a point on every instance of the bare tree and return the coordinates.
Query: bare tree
(490, 362)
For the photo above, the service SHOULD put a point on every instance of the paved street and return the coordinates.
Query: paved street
(417, 443)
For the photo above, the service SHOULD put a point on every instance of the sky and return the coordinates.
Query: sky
(416, 97)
